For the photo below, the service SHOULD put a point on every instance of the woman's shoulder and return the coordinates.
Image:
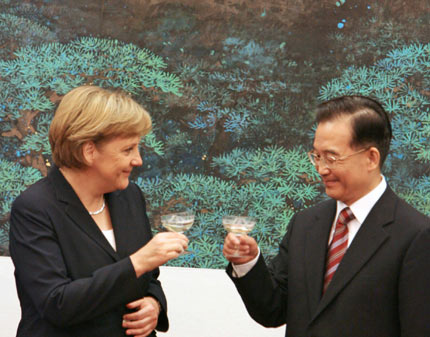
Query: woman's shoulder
(37, 191)
(36, 198)
(45, 188)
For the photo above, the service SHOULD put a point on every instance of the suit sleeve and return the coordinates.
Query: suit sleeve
(414, 294)
(264, 288)
(155, 289)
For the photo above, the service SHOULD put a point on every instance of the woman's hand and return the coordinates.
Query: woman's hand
(162, 248)
(144, 320)
(245, 245)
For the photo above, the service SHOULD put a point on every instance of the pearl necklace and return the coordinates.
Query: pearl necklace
(99, 210)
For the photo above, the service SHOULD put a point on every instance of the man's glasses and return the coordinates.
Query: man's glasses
(330, 160)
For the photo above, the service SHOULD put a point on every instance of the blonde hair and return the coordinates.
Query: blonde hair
(91, 113)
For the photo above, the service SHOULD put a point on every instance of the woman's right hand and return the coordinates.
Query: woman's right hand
(160, 249)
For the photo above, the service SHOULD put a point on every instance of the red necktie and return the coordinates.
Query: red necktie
(338, 245)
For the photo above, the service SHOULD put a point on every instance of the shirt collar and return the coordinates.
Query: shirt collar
(361, 208)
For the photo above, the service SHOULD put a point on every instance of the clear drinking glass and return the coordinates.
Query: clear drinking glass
(178, 222)
(238, 225)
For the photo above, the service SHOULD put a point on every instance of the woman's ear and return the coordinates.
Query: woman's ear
(373, 158)
(89, 151)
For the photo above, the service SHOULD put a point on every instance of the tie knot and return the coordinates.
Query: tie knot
(346, 216)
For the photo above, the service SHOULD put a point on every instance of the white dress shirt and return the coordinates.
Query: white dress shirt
(361, 208)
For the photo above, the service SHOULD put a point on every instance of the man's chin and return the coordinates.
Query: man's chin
(331, 192)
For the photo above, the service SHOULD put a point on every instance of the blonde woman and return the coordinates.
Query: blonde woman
(86, 263)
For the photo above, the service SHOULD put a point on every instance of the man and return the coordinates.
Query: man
(364, 274)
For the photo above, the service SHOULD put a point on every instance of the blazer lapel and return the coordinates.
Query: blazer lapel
(315, 252)
(118, 210)
(77, 212)
(367, 241)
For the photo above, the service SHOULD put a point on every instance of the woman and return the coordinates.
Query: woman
(86, 264)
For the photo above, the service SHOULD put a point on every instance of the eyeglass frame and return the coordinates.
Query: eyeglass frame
(311, 156)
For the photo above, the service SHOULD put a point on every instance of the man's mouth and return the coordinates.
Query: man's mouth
(329, 182)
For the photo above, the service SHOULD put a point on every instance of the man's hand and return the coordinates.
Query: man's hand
(144, 320)
(242, 245)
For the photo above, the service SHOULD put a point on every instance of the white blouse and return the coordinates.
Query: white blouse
(110, 236)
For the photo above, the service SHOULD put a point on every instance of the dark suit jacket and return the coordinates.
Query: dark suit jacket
(380, 289)
(70, 281)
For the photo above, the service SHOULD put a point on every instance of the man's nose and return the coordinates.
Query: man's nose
(322, 168)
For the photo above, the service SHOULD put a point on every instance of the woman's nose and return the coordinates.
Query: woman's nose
(137, 159)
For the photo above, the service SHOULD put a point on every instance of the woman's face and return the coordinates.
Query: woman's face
(115, 159)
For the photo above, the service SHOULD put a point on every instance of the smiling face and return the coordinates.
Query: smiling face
(114, 159)
(353, 177)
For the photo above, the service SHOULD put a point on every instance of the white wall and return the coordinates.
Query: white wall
(9, 305)
(202, 303)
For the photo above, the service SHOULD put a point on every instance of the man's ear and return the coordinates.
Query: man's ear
(89, 151)
(373, 158)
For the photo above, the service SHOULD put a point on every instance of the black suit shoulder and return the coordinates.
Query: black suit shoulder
(405, 212)
(41, 191)
(305, 218)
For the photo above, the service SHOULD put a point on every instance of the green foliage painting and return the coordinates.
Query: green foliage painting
(231, 87)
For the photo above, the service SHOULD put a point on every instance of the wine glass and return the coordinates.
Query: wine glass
(238, 225)
(178, 222)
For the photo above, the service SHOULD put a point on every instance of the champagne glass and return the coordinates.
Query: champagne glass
(238, 225)
(178, 222)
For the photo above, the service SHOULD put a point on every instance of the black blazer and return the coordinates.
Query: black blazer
(70, 281)
(380, 289)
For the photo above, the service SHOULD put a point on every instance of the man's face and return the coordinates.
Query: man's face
(348, 180)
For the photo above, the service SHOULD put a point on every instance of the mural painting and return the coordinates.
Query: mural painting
(231, 86)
